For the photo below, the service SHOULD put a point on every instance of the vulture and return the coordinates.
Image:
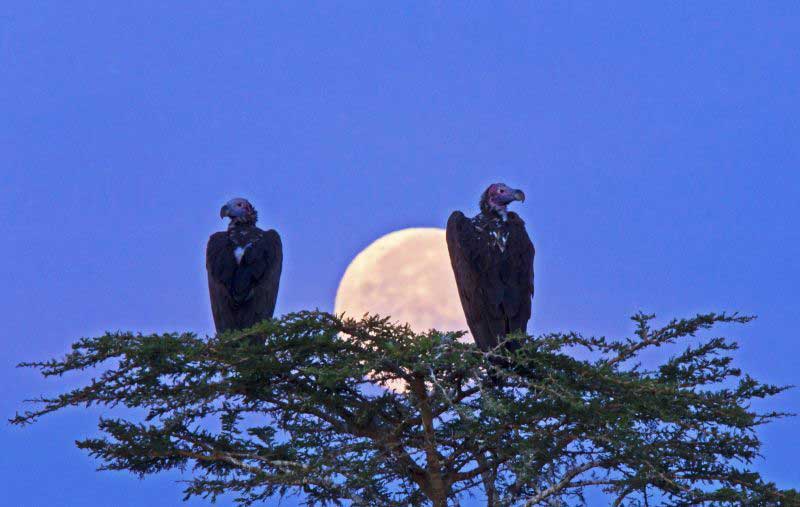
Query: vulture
(492, 259)
(244, 269)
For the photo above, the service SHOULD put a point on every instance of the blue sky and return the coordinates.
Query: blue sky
(657, 145)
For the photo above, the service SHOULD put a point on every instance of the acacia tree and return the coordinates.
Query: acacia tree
(296, 405)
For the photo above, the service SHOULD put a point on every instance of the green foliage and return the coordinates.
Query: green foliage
(295, 405)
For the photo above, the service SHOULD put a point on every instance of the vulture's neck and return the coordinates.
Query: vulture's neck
(489, 212)
(493, 216)
(235, 225)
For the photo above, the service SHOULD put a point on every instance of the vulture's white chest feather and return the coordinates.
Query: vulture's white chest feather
(500, 240)
(498, 237)
(239, 252)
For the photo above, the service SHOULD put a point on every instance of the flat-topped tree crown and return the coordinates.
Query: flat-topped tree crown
(302, 412)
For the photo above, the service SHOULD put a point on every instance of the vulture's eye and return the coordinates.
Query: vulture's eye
(502, 191)
(240, 205)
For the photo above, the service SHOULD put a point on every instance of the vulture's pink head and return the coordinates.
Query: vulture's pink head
(240, 211)
(498, 196)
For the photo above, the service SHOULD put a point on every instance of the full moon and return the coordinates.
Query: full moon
(405, 275)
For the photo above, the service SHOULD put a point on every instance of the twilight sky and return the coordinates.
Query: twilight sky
(658, 147)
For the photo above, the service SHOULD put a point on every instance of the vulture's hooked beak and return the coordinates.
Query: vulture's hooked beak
(224, 211)
(519, 195)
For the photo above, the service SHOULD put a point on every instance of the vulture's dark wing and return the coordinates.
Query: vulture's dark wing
(495, 287)
(517, 275)
(243, 293)
(221, 266)
(459, 230)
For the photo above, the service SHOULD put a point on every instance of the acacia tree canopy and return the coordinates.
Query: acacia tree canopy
(295, 405)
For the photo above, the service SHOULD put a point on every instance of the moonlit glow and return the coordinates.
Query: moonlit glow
(405, 275)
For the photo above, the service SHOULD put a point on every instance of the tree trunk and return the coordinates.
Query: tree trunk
(438, 493)
(488, 486)
(438, 487)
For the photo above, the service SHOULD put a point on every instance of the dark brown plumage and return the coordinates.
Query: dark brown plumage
(244, 269)
(492, 259)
